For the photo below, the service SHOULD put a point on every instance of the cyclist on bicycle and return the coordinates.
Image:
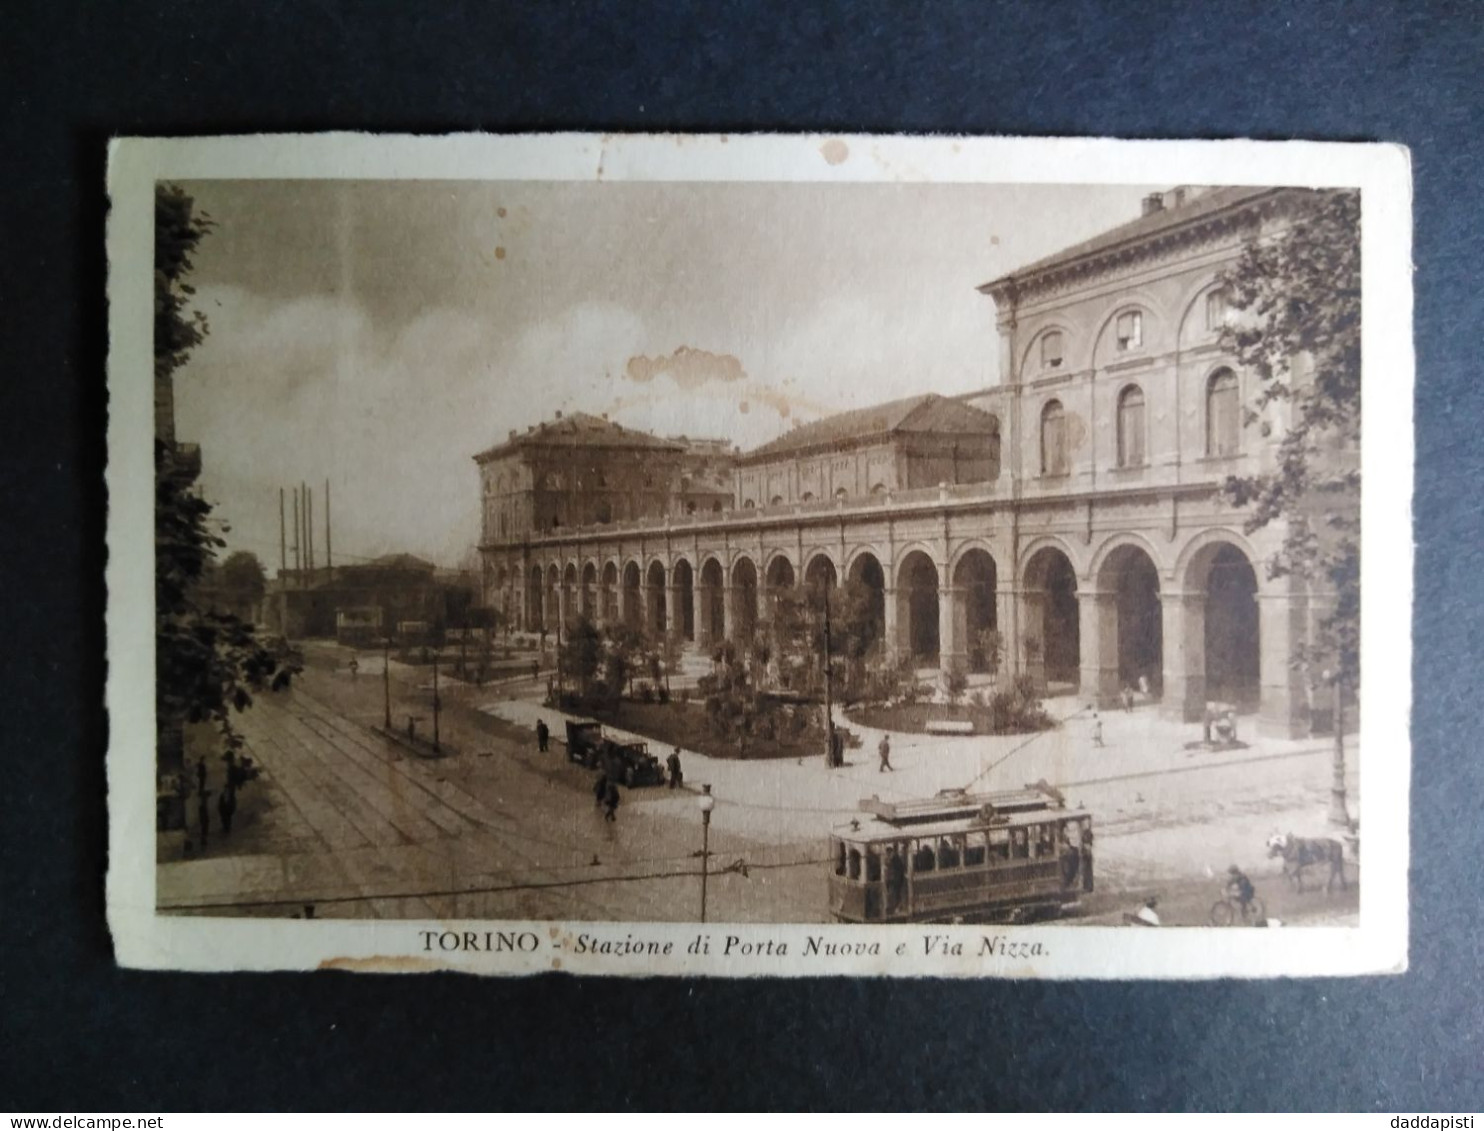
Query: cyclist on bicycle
(1239, 889)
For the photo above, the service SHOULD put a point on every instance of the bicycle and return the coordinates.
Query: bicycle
(1226, 911)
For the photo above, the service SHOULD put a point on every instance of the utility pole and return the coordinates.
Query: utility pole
(1339, 810)
(298, 542)
(386, 677)
(309, 526)
(283, 556)
(829, 713)
(329, 562)
(435, 702)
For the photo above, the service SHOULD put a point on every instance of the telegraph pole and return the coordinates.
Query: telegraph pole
(435, 702)
(283, 555)
(329, 562)
(829, 713)
(298, 542)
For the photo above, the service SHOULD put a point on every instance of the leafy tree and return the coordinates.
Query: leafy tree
(243, 576)
(207, 663)
(582, 652)
(1296, 327)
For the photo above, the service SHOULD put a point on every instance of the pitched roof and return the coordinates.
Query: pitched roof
(1200, 203)
(400, 561)
(927, 412)
(580, 430)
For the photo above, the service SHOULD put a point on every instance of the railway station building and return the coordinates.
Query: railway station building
(1075, 508)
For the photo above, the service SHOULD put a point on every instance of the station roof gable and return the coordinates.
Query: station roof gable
(925, 413)
(580, 430)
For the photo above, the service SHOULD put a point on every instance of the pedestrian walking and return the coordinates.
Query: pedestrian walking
(203, 818)
(355, 667)
(226, 806)
(1128, 699)
(535, 670)
(543, 735)
(672, 763)
(600, 790)
(610, 803)
(1097, 730)
(200, 775)
(883, 751)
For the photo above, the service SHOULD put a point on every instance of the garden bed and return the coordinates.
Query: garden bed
(672, 724)
(913, 718)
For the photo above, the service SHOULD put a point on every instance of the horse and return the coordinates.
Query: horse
(1299, 852)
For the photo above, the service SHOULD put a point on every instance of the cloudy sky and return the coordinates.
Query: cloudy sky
(378, 334)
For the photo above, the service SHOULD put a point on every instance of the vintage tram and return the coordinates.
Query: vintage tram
(1012, 855)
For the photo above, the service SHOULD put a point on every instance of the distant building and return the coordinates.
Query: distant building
(1076, 509)
(351, 602)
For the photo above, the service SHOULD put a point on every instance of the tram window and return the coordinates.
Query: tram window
(873, 866)
(1020, 847)
(1000, 846)
(974, 852)
(948, 854)
(922, 859)
(840, 858)
(854, 870)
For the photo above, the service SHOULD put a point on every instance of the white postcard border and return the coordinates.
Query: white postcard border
(1379, 944)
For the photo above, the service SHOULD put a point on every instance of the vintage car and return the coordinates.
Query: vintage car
(632, 764)
(584, 743)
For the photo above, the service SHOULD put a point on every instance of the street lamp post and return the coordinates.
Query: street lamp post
(707, 803)
(435, 703)
(1339, 811)
(386, 679)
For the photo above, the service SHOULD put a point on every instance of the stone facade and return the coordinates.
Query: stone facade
(1097, 543)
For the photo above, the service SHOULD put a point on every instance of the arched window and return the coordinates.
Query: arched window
(690, 506)
(841, 493)
(1053, 439)
(878, 488)
(716, 507)
(1223, 414)
(807, 496)
(748, 504)
(1131, 451)
(776, 500)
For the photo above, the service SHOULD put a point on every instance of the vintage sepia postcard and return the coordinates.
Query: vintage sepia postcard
(760, 555)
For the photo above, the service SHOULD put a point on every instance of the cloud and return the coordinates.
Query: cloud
(689, 368)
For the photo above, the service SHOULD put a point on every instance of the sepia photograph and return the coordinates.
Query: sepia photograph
(759, 555)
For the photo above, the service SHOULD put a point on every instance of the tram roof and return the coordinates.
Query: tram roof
(880, 832)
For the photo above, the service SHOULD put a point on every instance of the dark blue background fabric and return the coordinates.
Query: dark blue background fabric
(81, 1034)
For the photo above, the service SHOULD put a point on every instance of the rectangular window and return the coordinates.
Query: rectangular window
(1051, 349)
(1130, 330)
(1216, 310)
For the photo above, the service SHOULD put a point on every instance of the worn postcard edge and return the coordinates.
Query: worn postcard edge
(146, 940)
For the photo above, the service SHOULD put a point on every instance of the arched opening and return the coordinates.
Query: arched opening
(656, 615)
(608, 603)
(744, 600)
(820, 573)
(866, 572)
(1051, 637)
(534, 612)
(917, 616)
(589, 590)
(974, 617)
(551, 617)
(712, 610)
(633, 598)
(683, 579)
(1231, 632)
(1131, 578)
(569, 594)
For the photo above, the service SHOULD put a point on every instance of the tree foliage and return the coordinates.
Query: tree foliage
(1296, 305)
(208, 663)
